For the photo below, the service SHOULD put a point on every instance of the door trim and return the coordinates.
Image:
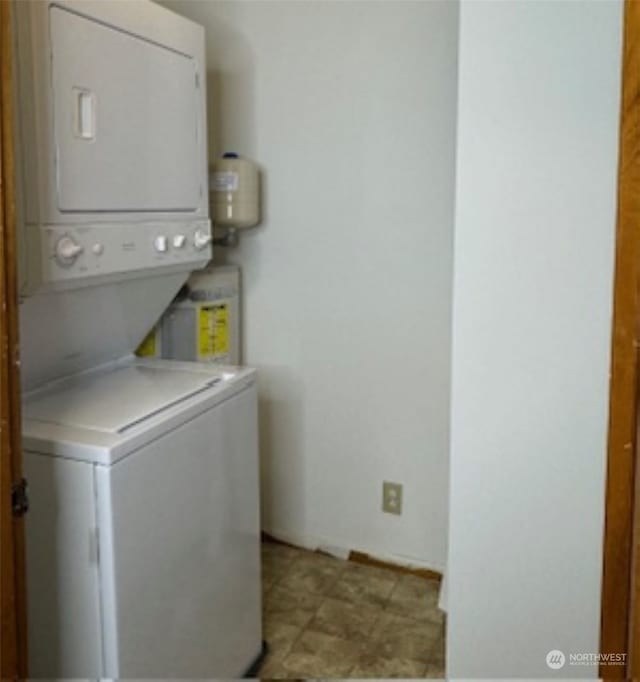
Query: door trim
(617, 580)
(13, 637)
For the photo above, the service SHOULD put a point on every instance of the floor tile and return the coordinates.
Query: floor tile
(276, 671)
(282, 551)
(280, 637)
(398, 637)
(345, 620)
(438, 651)
(328, 618)
(267, 584)
(273, 568)
(290, 607)
(276, 560)
(435, 672)
(315, 574)
(320, 559)
(416, 598)
(364, 585)
(318, 655)
(375, 666)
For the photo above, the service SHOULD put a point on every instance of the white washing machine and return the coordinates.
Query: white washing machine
(143, 533)
(143, 478)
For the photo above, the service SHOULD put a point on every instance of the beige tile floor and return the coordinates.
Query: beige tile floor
(327, 618)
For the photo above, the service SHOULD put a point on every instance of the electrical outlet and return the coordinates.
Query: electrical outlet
(392, 497)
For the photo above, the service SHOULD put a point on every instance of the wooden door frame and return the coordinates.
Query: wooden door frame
(620, 623)
(13, 639)
(621, 555)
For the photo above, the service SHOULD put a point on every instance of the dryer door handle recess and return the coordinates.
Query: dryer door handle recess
(85, 108)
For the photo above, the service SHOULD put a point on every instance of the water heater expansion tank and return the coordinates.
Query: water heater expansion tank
(235, 192)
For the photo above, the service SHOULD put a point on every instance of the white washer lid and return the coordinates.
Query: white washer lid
(117, 400)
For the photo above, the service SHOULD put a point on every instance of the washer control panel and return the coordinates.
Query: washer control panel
(77, 252)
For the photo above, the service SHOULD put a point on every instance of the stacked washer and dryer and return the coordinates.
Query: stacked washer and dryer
(143, 531)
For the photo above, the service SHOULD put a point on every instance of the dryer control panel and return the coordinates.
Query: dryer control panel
(72, 252)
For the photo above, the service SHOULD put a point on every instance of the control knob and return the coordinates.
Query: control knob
(67, 250)
(201, 239)
(160, 244)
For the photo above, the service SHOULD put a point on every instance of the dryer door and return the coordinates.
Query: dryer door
(126, 120)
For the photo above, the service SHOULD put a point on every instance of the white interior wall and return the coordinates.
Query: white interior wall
(535, 218)
(350, 109)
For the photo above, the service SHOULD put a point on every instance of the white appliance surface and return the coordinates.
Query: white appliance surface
(143, 532)
(104, 414)
(113, 117)
(89, 326)
(63, 580)
(111, 143)
(119, 399)
(147, 567)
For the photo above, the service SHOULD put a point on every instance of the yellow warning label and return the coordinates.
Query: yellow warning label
(148, 346)
(213, 330)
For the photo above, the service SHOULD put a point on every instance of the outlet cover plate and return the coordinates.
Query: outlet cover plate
(392, 497)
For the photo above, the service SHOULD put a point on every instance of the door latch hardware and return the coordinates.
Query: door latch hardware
(20, 498)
